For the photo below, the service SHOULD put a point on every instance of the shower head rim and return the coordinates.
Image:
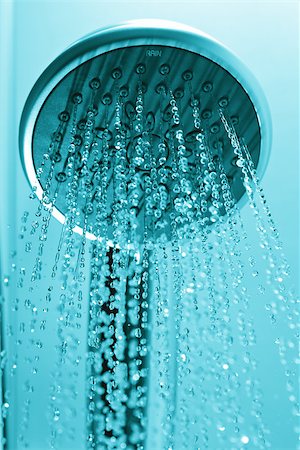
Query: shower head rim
(138, 32)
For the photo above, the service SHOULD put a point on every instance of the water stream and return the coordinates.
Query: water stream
(153, 299)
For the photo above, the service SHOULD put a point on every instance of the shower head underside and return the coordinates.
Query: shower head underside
(131, 120)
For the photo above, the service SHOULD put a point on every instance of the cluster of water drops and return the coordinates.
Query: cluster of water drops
(169, 354)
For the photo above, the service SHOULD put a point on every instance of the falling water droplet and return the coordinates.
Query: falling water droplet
(245, 440)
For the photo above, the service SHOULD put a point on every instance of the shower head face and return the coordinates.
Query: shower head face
(153, 101)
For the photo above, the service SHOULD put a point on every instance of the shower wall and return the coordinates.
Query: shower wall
(265, 36)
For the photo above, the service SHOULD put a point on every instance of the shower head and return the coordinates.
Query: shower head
(139, 103)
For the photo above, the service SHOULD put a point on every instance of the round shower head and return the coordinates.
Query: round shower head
(151, 87)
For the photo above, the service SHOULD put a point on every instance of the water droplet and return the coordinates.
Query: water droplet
(245, 439)
(183, 357)
(56, 415)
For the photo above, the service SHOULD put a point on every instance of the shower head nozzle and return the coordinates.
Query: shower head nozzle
(129, 117)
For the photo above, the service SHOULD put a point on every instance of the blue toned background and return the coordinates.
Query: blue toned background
(264, 35)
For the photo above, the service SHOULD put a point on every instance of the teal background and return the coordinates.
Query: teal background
(265, 36)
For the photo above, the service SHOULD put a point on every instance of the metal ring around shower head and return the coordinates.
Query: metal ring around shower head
(150, 35)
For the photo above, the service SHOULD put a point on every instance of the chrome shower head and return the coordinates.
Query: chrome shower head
(133, 112)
